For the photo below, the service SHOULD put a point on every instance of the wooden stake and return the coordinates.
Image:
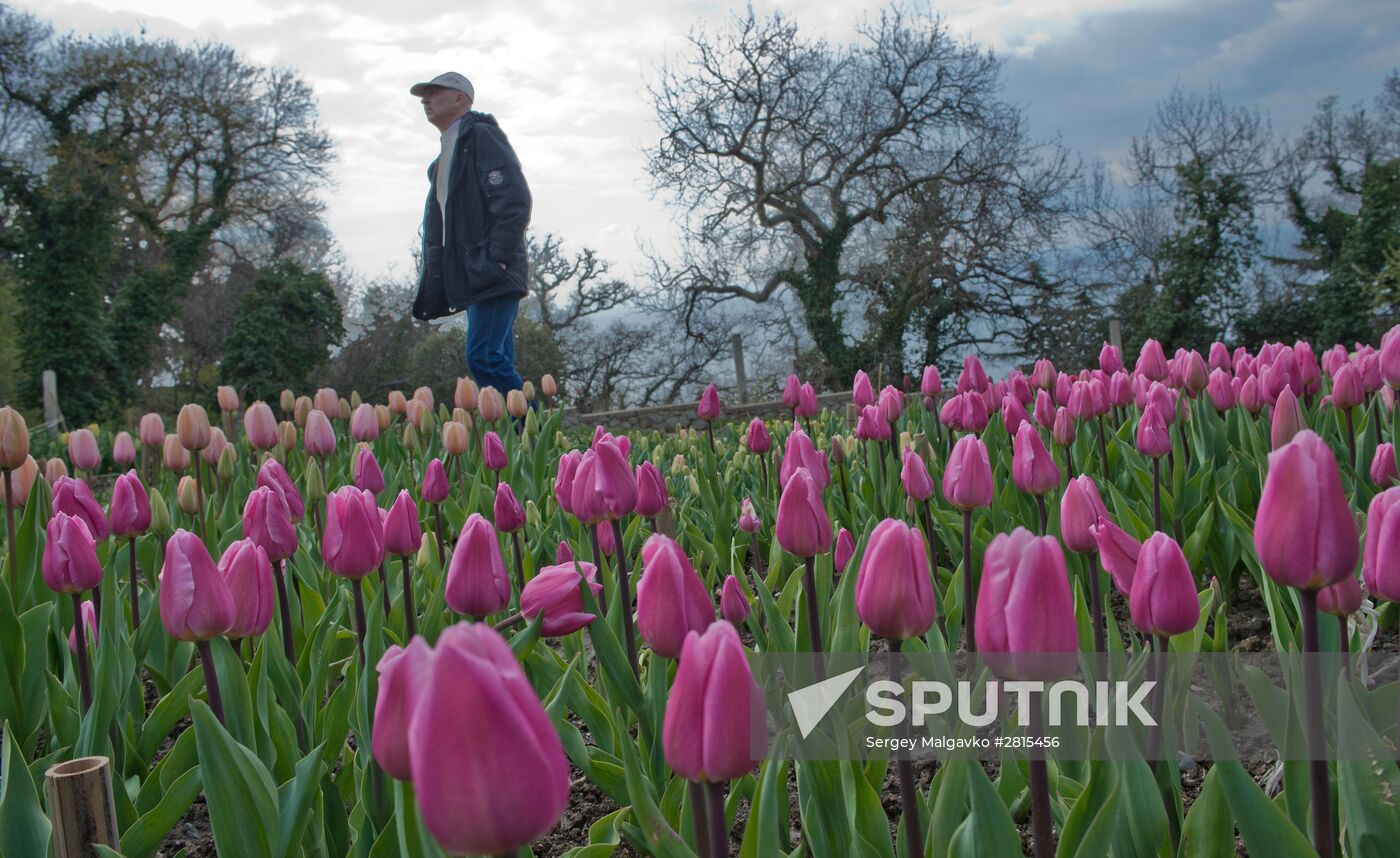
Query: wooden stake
(81, 806)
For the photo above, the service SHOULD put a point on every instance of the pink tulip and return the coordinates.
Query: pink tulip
(1341, 599)
(792, 393)
(871, 426)
(713, 728)
(403, 535)
(845, 550)
(506, 511)
(652, 496)
(1081, 402)
(554, 592)
(1152, 361)
(807, 401)
(973, 376)
(862, 392)
(320, 435)
(353, 543)
(70, 562)
(1347, 391)
(248, 574)
(733, 605)
(1080, 509)
(21, 481)
(273, 476)
(803, 527)
(195, 602)
(894, 589)
(1025, 617)
(123, 449)
(403, 673)
(89, 612)
(801, 453)
(1380, 565)
(1110, 359)
(364, 424)
(672, 601)
(192, 427)
(131, 507)
(1013, 414)
(1389, 357)
(891, 405)
(477, 584)
(967, 478)
(1304, 532)
(613, 480)
(1043, 375)
(1221, 393)
(152, 430)
(563, 554)
(493, 452)
(215, 448)
(260, 426)
(368, 476)
(1154, 437)
(564, 480)
(914, 474)
(1033, 469)
(1044, 411)
(1118, 553)
(54, 469)
(1251, 399)
(1287, 420)
(708, 407)
(1062, 429)
(1163, 596)
(489, 771)
(930, 383)
(759, 441)
(436, 488)
(82, 450)
(1383, 470)
(75, 498)
(1194, 376)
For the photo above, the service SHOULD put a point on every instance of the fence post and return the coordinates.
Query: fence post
(740, 377)
(1115, 334)
(51, 412)
(81, 806)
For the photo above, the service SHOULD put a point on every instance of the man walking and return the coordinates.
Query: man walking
(473, 230)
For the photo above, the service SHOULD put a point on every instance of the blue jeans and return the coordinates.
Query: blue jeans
(491, 343)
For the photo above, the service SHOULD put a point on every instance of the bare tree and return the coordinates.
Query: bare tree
(786, 152)
(566, 288)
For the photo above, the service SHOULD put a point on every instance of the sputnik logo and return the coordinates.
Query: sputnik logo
(811, 704)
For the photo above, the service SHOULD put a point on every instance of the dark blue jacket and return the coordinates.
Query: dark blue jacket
(488, 209)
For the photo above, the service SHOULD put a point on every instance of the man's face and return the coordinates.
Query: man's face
(443, 106)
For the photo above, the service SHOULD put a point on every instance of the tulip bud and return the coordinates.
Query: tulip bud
(315, 483)
(89, 615)
(218, 442)
(228, 461)
(195, 602)
(800, 452)
(1025, 617)
(21, 481)
(1110, 359)
(489, 771)
(187, 496)
(228, 399)
(267, 522)
(160, 514)
(1383, 471)
(436, 488)
(1390, 357)
(69, 563)
(260, 426)
(1341, 599)
(516, 406)
(353, 544)
(967, 479)
(672, 601)
(176, 457)
(327, 401)
(54, 469)
(1347, 391)
(454, 438)
(490, 404)
(82, 450)
(548, 386)
(1304, 533)
(1118, 553)
(1080, 509)
(152, 430)
(192, 426)
(758, 439)
(708, 408)
(894, 589)
(493, 452)
(748, 519)
(319, 439)
(554, 592)
(403, 672)
(733, 604)
(507, 512)
(477, 584)
(1163, 596)
(714, 714)
(14, 439)
(287, 436)
(803, 527)
(131, 507)
(845, 550)
(1033, 469)
(915, 477)
(563, 554)
(1152, 361)
(410, 437)
(1153, 432)
(1220, 391)
(384, 416)
(248, 574)
(1062, 428)
(1287, 419)
(275, 477)
(930, 383)
(862, 392)
(652, 496)
(1380, 565)
(364, 424)
(367, 473)
(123, 449)
(75, 498)
(402, 534)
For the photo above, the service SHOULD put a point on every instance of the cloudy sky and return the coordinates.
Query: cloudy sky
(567, 81)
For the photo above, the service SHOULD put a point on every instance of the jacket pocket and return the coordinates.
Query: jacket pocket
(483, 272)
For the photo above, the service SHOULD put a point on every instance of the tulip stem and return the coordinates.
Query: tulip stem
(845, 489)
(1103, 448)
(1323, 838)
(908, 793)
(410, 613)
(1185, 447)
(814, 616)
(211, 679)
(1096, 596)
(719, 822)
(519, 564)
(969, 594)
(700, 818)
(710, 432)
(1154, 739)
(598, 563)
(1351, 435)
(135, 591)
(1044, 514)
(360, 618)
(288, 645)
(199, 494)
(384, 587)
(1069, 463)
(10, 538)
(927, 510)
(1156, 493)
(80, 639)
(513, 619)
(1344, 636)
(624, 589)
(1042, 828)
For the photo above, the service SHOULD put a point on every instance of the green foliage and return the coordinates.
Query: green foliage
(537, 351)
(437, 361)
(283, 330)
(1204, 260)
(9, 333)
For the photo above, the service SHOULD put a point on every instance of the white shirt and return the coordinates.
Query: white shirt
(444, 172)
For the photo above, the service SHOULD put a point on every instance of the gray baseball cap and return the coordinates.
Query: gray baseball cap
(447, 80)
